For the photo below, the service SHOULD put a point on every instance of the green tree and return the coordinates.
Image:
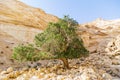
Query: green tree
(60, 41)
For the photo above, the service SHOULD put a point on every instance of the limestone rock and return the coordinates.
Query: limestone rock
(16, 12)
(10, 69)
(113, 47)
(19, 23)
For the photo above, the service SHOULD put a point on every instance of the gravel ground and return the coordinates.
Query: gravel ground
(95, 67)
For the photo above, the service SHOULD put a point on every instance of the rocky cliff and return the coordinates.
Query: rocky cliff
(18, 13)
(19, 23)
(23, 20)
(98, 33)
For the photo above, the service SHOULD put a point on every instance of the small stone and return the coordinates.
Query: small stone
(25, 69)
(115, 62)
(34, 78)
(10, 69)
(53, 74)
(12, 75)
(42, 69)
(49, 64)
(41, 75)
(17, 74)
(59, 77)
(4, 72)
(47, 76)
(33, 69)
(21, 72)
(39, 64)
(32, 64)
(59, 72)
(106, 76)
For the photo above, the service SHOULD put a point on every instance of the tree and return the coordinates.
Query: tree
(60, 41)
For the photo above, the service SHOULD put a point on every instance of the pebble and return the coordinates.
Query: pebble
(34, 78)
(3, 72)
(10, 69)
(106, 76)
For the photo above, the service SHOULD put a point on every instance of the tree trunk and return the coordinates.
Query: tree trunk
(65, 62)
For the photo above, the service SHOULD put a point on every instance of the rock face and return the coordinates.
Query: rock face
(24, 34)
(102, 38)
(106, 24)
(98, 33)
(23, 20)
(16, 12)
(19, 23)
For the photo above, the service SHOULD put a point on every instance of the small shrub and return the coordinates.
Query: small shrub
(25, 53)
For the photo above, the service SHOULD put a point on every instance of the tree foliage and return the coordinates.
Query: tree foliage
(61, 41)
